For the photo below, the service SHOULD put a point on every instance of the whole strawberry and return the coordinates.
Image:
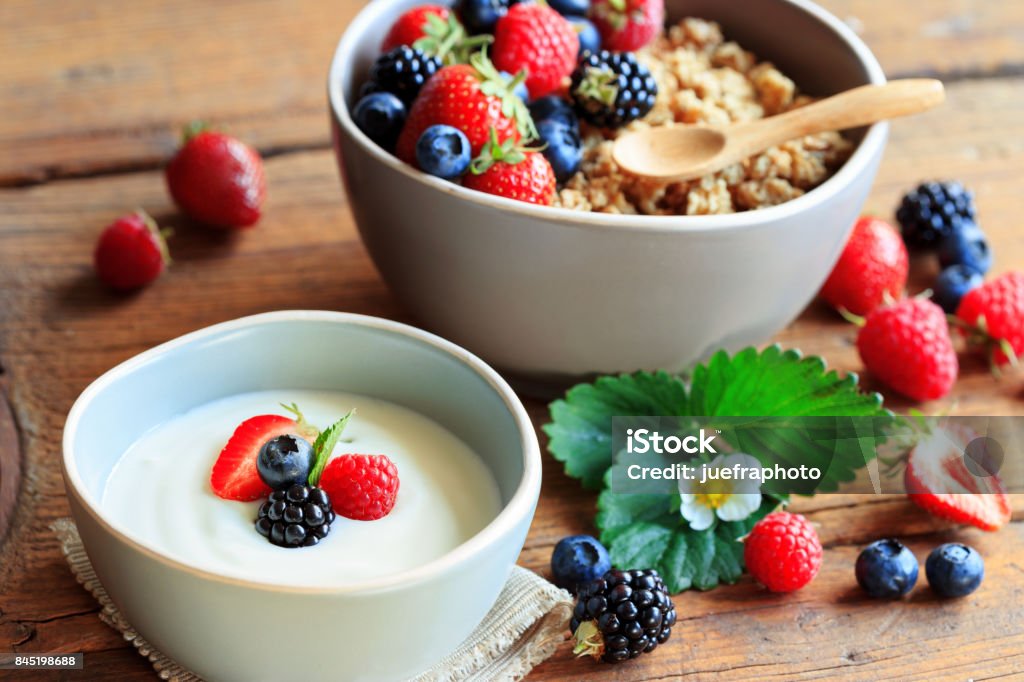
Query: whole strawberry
(534, 37)
(627, 25)
(474, 98)
(131, 252)
(217, 180)
(873, 264)
(412, 26)
(509, 171)
(996, 309)
(906, 345)
(782, 552)
(361, 487)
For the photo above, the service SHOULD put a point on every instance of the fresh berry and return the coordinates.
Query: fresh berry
(952, 285)
(782, 552)
(297, 516)
(412, 26)
(472, 97)
(518, 86)
(381, 116)
(403, 72)
(235, 475)
(872, 268)
(361, 487)
(570, 8)
(906, 345)
(934, 210)
(938, 480)
(886, 569)
(589, 36)
(217, 179)
(954, 570)
(480, 16)
(509, 171)
(131, 252)
(284, 461)
(610, 89)
(553, 108)
(996, 309)
(563, 148)
(578, 559)
(628, 25)
(536, 38)
(622, 615)
(443, 151)
(966, 246)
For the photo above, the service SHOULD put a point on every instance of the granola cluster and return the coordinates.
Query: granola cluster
(702, 78)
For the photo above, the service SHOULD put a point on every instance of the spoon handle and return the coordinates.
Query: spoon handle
(853, 108)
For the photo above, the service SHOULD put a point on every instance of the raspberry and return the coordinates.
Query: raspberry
(783, 552)
(299, 516)
(622, 615)
(362, 487)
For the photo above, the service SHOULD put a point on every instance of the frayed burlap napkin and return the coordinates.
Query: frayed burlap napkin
(525, 626)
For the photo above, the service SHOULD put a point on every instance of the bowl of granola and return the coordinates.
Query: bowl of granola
(606, 272)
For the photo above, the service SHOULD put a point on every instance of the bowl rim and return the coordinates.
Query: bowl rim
(519, 506)
(871, 144)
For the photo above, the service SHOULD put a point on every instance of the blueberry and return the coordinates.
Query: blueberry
(954, 570)
(563, 147)
(480, 16)
(886, 569)
(443, 151)
(520, 90)
(966, 246)
(553, 108)
(590, 37)
(570, 8)
(579, 559)
(380, 115)
(285, 461)
(952, 284)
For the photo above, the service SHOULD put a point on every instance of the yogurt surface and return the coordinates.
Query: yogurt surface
(160, 492)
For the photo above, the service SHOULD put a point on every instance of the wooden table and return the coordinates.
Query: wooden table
(93, 96)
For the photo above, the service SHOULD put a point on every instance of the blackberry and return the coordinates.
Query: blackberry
(298, 516)
(935, 210)
(622, 615)
(610, 89)
(402, 72)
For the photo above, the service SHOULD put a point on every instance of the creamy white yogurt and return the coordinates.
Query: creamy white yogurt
(160, 492)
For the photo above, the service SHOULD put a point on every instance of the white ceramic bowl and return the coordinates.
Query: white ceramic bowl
(552, 294)
(230, 629)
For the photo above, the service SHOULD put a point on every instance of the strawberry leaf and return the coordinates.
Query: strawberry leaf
(324, 446)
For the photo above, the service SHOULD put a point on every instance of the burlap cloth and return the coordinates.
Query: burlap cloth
(525, 626)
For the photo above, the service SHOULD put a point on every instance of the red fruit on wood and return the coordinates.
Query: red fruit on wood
(361, 487)
(996, 309)
(131, 252)
(234, 475)
(627, 25)
(412, 25)
(872, 268)
(538, 39)
(782, 552)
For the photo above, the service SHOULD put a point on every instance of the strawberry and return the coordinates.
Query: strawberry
(907, 346)
(412, 26)
(472, 97)
(234, 475)
(510, 171)
(872, 267)
(937, 480)
(131, 252)
(217, 179)
(627, 25)
(782, 552)
(996, 310)
(361, 487)
(534, 37)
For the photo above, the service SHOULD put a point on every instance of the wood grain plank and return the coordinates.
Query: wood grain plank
(10, 463)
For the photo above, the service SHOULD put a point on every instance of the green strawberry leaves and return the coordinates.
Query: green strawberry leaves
(324, 444)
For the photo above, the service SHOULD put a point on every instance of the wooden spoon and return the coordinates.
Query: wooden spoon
(691, 151)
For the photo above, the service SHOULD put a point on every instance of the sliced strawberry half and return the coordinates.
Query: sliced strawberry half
(234, 475)
(938, 481)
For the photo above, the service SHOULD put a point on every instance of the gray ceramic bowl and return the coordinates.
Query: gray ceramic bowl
(551, 294)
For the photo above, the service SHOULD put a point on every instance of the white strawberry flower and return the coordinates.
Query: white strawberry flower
(710, 494)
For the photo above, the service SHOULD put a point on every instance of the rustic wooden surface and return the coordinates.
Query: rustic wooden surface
(94, 94)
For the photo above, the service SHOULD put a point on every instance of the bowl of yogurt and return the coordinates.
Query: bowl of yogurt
(189, 571)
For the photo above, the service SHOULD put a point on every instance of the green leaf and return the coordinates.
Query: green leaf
(324, 446)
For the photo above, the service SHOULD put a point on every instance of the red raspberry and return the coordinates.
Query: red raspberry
(412, 26)
(536, 38)
(361, 487)
(873, 263)
(907, 347)
(131, 252)
(783, 552)
(1001, 304)
(627, 25)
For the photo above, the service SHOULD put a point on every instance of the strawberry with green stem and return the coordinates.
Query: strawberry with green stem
(507, 169)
